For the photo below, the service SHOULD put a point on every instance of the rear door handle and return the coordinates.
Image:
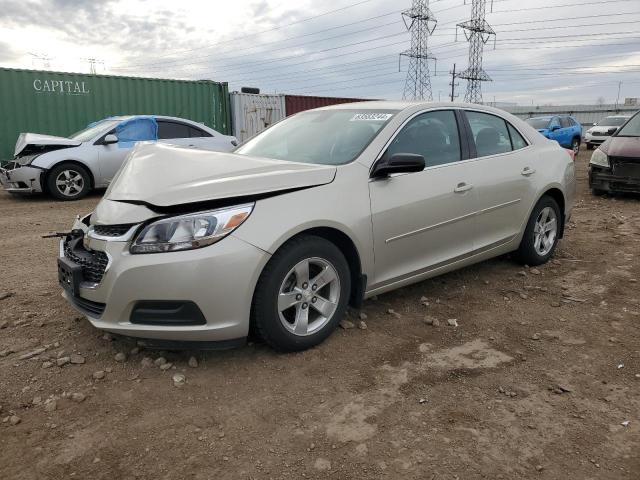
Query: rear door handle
(526, 171)
(462, 187)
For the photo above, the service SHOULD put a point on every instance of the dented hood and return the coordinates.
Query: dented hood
(166, 175)
(622, 147)
(37, 140)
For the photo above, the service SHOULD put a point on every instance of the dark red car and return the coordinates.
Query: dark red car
(615, 165)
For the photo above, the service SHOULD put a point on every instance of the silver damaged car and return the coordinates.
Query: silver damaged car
(322, 210)
(69, 168)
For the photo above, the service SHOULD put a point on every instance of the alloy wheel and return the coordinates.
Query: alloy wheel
(308, 296)
(545, 231)
(69, 182)
(576, 147)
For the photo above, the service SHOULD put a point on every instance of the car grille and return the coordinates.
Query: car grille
(600, 134)
(112, 230)
(93, 309)
(93, 263)
(626, 167)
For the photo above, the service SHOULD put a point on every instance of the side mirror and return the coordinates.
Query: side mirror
(612, 130)
(109, 139)
(555, 127)
(398, 163)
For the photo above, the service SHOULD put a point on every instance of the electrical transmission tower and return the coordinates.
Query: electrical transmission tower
(477, 31)
(420, 21)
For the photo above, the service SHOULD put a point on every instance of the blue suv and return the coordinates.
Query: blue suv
(564, 129)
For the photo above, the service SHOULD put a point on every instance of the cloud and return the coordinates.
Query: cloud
(540, 52)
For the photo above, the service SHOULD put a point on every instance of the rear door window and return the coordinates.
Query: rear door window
(168, 130)
(198, 133)
(490, 133)
(517, 142)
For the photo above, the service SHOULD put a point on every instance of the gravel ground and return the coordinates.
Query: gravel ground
(539, 379)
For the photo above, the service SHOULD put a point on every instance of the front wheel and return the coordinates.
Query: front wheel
(302, 294)
(68, 181)
(575, 145)
(541, 235)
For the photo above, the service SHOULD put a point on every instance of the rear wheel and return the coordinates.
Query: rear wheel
(68, 181)
(541, 235)
(575, 145)
(302, 294)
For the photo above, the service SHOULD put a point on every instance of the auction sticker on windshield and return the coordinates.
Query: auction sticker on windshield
(375, 117)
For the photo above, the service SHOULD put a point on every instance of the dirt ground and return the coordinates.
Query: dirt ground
(538, 380)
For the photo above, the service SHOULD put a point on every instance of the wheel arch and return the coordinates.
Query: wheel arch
(558, 196)
(45, 178)
(348, 248)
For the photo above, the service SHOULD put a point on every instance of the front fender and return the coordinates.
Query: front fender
(48, 160)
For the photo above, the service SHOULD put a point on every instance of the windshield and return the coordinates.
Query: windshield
(93, 130)
(327, 137)
(539, 123)
(632, 128)
(612, 121)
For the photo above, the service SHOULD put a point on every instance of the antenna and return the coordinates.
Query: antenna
(477, 32)
(420, 21)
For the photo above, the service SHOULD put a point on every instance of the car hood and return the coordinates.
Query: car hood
(600, 129)
(159, 175)
(622, 147)
(28, 140)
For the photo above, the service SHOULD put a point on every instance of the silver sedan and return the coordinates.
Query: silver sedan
(322, 210)
(68, 168)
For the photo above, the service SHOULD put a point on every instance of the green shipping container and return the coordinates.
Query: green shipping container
(56, 103)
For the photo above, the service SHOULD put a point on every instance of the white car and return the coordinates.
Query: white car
(68, 168)
(603, 129)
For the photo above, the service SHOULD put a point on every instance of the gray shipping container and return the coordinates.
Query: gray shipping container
(253, 113)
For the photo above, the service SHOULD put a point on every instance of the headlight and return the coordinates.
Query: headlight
(188, 232)
(599, 158)
(27, 159)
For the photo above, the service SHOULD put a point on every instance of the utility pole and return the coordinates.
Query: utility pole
(477, 32)
(421, 22)
(92, 64)
(618, 97)
(453, 83)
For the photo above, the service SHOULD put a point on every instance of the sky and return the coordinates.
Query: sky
(545, 51)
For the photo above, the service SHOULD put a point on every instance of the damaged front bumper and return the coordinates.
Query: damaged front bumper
(605, 180)
(186, 296)
(21, 179)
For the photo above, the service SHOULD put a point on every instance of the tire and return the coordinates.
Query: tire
(597, 192)
(533, 251)
(68, 181)
(282, 327)
(575, 145)
(589, 146)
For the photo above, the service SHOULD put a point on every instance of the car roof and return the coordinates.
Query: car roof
(406, 105)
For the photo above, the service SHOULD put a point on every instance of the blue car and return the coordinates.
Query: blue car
(564, 129)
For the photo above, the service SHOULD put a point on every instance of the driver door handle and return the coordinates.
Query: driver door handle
(526, 171)
(462, 187)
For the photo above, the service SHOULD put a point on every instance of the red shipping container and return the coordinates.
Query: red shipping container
(300, 103)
